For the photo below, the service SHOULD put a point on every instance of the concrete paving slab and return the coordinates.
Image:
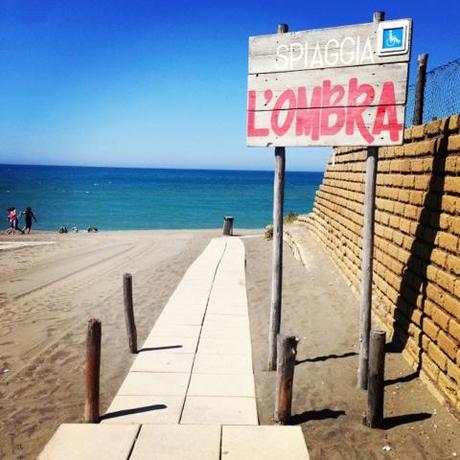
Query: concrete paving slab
(144, 409)
(189, 295)
(202, 275)
(194, 295)
(219, 309)
(222, 364)
(209, 410)
(183, 307)
(228, 335)
(221, 297)
(156, 361)
(189, 298)
(224, 346)
(232, 260)
(154, 383)
(263, 442)
(89, 442)
(228, 291)
(235, 278)
(180, 319)
(206, 264)
(175, 330)
(226, 320)
(187, 285)
(203, 268)
(178, 442)
(189, 310)
(226, 305)
(230, 278)
(222, 385)
(224, 331)
(170, 344)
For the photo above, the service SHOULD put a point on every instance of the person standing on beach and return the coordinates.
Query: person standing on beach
(29, 215)
(10, 220)
(14, 221)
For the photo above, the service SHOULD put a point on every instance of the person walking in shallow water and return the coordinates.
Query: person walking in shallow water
(28, 215)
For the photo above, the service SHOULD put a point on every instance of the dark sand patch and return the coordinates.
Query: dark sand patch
(320, 308)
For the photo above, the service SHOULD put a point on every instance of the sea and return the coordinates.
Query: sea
(138, 198)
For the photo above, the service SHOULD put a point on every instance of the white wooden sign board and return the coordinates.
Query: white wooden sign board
(339, 86)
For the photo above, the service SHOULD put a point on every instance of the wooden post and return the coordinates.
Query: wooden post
(375, 394)
(129, 312)
(93, 365)
(422, 61)
(277, 261)
(287, 350)
(228, 226)
(367, 256)
(378, 16)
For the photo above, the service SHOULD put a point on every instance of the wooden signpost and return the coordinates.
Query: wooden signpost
(338, 86)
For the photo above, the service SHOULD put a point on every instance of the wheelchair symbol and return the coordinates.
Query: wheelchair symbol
(393, 37)
(393, 40)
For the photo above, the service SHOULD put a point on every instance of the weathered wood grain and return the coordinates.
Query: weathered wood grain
(376, 391)
(129, 312)
(286, 350)
(367, 263)
(374, 75)
(92, 371)
(422, 60)
(290, 139)
(348, 42)
(277, 258)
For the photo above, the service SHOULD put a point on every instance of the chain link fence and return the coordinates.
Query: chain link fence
(442, 93)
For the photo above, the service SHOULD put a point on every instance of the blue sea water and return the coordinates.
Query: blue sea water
(133, 198)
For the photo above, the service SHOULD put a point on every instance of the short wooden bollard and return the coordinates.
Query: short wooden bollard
(375, 390)
(286, 354)
(92, 372)
(129, 312)
(228, 226)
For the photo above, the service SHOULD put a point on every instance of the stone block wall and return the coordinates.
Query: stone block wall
(417, 243)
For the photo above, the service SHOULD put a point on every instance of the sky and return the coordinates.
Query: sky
(153, 83)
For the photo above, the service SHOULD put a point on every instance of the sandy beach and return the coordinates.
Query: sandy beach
(49, 291)
(321, 310)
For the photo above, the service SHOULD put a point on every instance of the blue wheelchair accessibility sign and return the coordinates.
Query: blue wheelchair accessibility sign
(393, 37)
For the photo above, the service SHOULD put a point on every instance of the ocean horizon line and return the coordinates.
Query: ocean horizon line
(159, 168)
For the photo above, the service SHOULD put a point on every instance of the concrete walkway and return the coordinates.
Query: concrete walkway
(190, 391)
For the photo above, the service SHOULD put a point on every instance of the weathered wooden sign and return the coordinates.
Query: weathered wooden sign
(338, 86)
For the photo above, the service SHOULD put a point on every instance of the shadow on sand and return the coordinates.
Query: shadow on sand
(310, 415)
(325, 358)
(171, 347)
(392, 422)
